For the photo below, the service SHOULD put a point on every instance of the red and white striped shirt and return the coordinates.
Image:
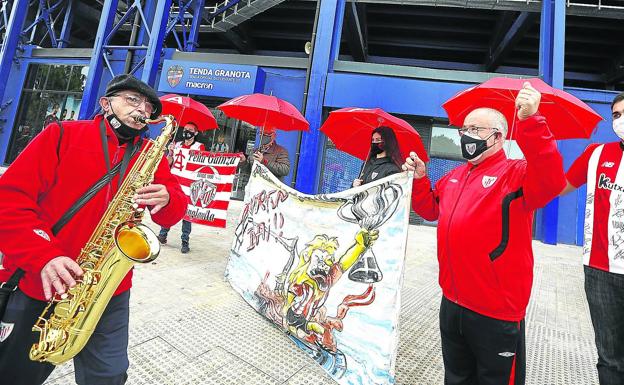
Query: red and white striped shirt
(601, 166)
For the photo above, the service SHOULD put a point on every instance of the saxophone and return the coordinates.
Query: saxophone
(119, 240)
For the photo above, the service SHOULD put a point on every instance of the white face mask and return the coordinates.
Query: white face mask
(618, 127)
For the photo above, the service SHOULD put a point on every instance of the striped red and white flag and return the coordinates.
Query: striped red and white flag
(206, 179)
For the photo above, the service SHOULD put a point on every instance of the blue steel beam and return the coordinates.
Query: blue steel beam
(551, 69)
(515, 33)
(326, 47)
(191, 43)
(67, 24)
(45, 16)
(11, 40)
(96, 65)
(356, 31)
(154, 50)
(179, 18)
(149, 8)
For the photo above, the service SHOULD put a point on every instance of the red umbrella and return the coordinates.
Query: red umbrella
(185, 110)
(265, 111)
(567, 116)
(351, 128)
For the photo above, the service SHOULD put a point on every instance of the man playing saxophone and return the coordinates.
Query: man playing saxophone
(54, 171)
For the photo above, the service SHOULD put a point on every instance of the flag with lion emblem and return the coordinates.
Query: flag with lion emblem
(327, 270)
(206, 178)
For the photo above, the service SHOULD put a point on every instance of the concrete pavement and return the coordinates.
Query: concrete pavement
(188, 326)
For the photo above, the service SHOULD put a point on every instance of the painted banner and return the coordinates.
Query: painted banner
(206, 178)
(327, 269)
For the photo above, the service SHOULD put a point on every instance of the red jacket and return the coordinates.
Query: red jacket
(41, 185)
(485, 215)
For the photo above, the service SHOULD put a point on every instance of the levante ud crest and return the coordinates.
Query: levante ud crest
(174, 75)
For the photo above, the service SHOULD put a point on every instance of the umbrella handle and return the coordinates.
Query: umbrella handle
(364, 165)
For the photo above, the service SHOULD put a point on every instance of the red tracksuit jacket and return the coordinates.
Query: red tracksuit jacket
(485, 216)
(41, 185)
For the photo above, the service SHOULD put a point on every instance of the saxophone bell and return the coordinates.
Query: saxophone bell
(136, 242)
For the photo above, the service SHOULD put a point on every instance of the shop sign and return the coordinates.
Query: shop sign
(210, 79)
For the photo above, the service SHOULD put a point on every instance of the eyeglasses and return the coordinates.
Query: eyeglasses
(474, 130)
(136, 101)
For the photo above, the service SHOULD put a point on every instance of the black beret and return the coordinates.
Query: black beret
(129, 82)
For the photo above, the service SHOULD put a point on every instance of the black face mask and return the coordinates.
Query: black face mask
(377, 148)
(473, 147)
(124, 132)
(188, 135)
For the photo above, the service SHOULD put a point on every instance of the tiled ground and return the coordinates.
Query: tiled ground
(189, 327)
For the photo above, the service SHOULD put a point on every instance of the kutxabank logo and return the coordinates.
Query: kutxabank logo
(174, 75)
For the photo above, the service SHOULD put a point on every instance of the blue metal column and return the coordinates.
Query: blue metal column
(191, 43)
(551, 61)
(96, 65)
(67, 24)
(11, 41)
(154, 50)
(326, 48)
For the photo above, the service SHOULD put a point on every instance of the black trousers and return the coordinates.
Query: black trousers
(605, 296)
(103, 361)
(480, 350)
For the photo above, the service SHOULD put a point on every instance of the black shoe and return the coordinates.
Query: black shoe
(185, 248)
(162, 239)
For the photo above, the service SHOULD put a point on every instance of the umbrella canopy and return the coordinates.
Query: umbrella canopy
(567, 116)
(185, 110)
(265, 111)
(351, 129)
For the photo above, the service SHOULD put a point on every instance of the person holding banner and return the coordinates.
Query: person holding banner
(189, 133)
(384, 157)
(485, 212)
(272, 155)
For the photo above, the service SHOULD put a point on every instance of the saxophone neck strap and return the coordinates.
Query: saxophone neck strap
(97, 186)
(11, 284)
(130, 151)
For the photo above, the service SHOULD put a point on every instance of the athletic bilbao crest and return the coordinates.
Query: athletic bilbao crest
(471, 148)
(5, 331)
(174, 75)
(203, 192)
(487, 181)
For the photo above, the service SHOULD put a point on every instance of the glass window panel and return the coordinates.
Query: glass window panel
(37, 74)
(445, 143)
(26, 125)
(78, 78)
(58, 77)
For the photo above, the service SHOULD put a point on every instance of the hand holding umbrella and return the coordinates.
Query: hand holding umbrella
(415, 164)
(527, 101)
(567, 116)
